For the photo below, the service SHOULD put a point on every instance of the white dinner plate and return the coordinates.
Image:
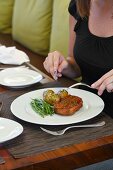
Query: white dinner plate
(9, 129)
(19, 77)
(92, 106)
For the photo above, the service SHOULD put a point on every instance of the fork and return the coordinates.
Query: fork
(61, 132)
(79, 84)
(2, 161)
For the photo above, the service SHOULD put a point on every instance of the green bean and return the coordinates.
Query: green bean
(42, 107)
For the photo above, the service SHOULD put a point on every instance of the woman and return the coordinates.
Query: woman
(91, 41)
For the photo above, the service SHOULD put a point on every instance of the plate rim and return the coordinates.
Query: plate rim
(55, 123)
(14, 122)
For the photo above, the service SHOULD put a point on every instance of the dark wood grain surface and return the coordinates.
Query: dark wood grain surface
(34, 141)
(63, 158)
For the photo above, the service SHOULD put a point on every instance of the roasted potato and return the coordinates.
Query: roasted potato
(63, 93)
(55, 98)
(50, 97)
(48, 93)
(47, 96)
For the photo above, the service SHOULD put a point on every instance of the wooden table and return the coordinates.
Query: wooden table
(66, 158)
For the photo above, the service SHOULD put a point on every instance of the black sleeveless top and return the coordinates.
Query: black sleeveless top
(93, 54)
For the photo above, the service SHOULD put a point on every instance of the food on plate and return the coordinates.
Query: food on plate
(60, 103)
(42, 107)
(48, 93)
(63, 93)
(68, 105)
(64, 103)
(51, 97)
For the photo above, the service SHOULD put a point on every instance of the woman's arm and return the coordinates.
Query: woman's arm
(56, 64)
(74, 68)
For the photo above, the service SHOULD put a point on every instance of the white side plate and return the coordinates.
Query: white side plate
(19, 77)
(9, 129)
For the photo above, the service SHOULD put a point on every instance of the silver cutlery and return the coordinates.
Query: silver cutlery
(61, 132)
(2, 161)
(79, 84)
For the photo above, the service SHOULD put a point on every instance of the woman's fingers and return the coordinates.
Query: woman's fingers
(105, 82)
(109, 87)
(52, 64)
(62, 66)
(102, 79)
(56, 60)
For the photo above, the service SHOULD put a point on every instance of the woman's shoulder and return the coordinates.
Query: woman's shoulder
(73, 9)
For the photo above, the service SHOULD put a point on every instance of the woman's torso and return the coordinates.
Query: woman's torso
(93, 53)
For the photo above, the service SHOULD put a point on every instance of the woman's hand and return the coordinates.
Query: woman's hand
(105, 82)
(54, 64)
